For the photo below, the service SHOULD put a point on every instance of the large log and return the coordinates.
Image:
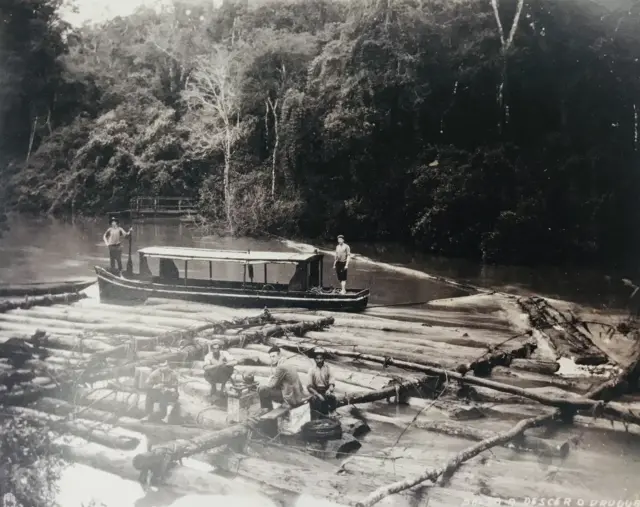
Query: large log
(615, 410)
(110, 437)
(122, 402)
(77, 342)
(108, 328)
(535, 366)
(44, 288)
(267, 332)
(98, 316)
(162, 432)
(181, 479)
(58, 299)
(178, 449)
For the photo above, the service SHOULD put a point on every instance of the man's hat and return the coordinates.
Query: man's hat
(114, 219)
(319, 351)
(340, 236)
(215, 343)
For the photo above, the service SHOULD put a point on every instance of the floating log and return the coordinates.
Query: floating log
(58, 299)
(110, 437)
(178, 449)
(45, 288)
(535, 366)
(76, 343)
(527, 443)
(576, 403)
(182, 479)
(157, 431)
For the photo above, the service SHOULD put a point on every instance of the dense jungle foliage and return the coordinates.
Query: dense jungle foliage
(506, 131)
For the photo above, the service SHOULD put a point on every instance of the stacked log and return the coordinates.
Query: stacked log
(58, 299)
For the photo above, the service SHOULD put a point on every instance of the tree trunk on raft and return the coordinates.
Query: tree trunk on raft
(61, 341)
(565, 414)
(181, 478)
(88, 430)
(565, 335)
(272, 331)
(173, 338)
(160, 431)
(178, 449)
(133, 404)
(574, 403)
(536, 366)
(58, 299)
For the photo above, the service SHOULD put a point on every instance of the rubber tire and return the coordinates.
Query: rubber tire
(321, 430)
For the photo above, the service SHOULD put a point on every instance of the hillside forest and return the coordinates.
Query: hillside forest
(501, 131)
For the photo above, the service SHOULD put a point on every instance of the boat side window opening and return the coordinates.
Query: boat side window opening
(299, 278)
(169, 270)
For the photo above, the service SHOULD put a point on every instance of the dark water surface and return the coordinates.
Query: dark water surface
(50, 249)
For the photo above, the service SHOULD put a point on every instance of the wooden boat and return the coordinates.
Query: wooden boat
(304, 290)
(44, 288)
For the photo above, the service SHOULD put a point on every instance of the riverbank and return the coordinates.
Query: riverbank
(427, 427)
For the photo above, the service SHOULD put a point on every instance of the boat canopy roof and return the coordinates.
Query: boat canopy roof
(243, 256)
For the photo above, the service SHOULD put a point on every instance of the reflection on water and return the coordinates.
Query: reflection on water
(49, 249)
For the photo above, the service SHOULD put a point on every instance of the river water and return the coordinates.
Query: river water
(46, 249)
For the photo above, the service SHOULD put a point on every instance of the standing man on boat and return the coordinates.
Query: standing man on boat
(113, 239)
(162, 388)
(321, 386)
(218, 367)
(341, 264)
(283, 386)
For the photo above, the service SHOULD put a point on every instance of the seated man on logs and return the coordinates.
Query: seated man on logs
(321, 386)
(218, 367)
(283, 386)
(162, 388)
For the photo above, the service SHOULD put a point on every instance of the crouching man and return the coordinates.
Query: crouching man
(321, 386)
(218, 367)
(283, 386)
(162, 388)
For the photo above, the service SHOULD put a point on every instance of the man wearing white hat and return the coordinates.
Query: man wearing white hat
(218, 366)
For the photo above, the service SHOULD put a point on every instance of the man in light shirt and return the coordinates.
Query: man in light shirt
(321, 386)
(341, 264)
(218, 367)
(162, 388)
(113, 239)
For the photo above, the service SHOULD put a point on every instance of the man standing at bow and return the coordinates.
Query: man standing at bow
(321, 386)
(113, 239)
(341, 264)
(218, 367)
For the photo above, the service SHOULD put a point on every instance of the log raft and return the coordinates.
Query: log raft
(433, 359)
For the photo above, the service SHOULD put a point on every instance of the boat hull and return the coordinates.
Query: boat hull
(119, 288)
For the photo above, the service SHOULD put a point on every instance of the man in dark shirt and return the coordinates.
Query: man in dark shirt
(113, 239)
(283, 386)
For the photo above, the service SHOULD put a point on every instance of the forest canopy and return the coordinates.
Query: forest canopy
(504, 131)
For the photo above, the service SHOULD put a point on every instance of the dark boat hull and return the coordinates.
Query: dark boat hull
(119, 288)
(44, 288)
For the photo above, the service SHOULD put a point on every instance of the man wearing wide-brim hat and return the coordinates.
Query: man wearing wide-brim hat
(341, 264)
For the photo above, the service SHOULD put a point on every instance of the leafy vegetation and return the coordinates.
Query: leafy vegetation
(30, 467)
(502, 131)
